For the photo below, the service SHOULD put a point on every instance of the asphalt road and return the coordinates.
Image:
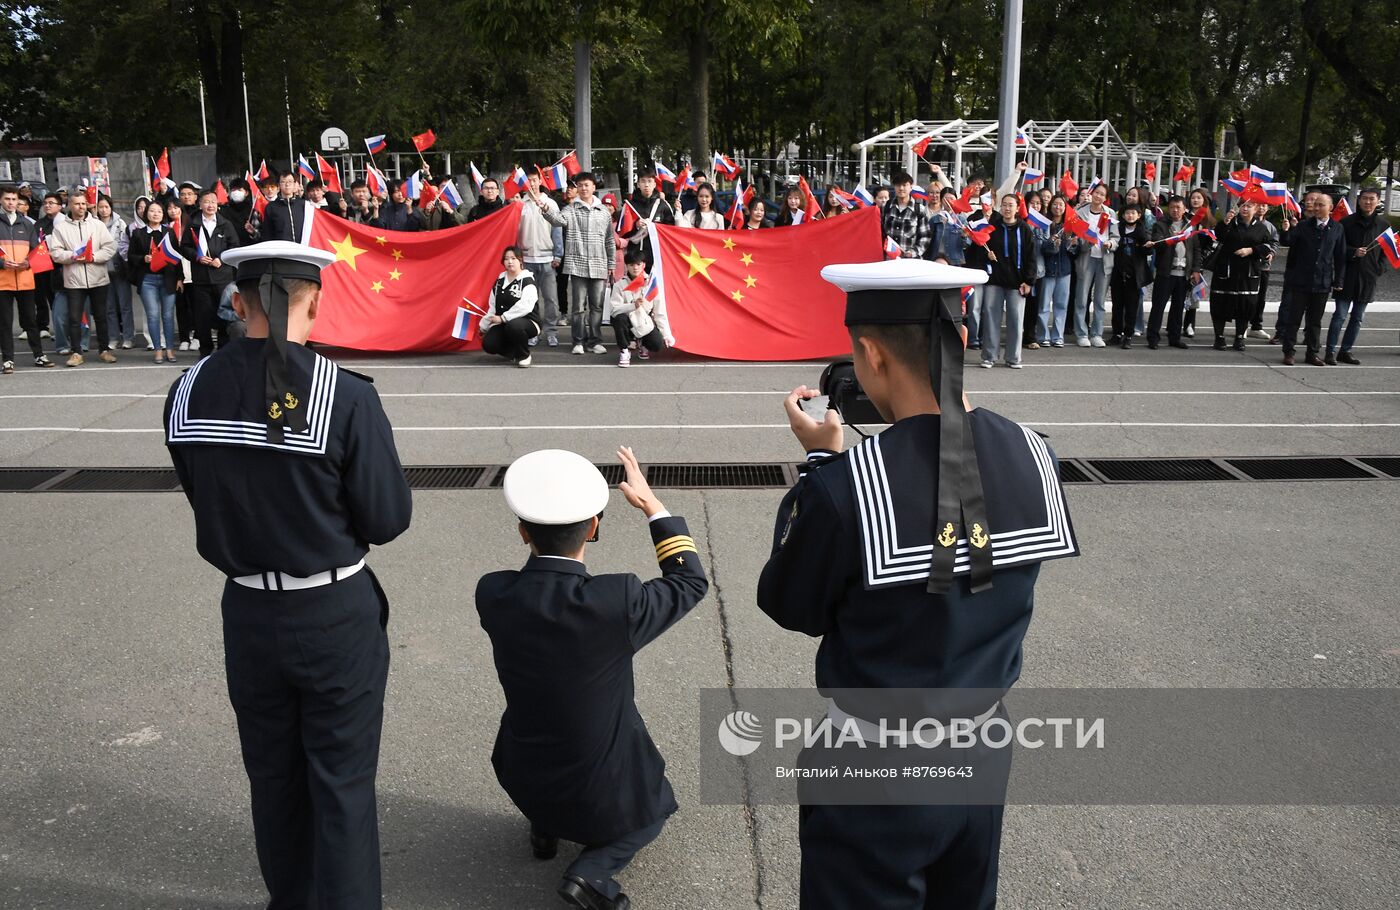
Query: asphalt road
(121, 779)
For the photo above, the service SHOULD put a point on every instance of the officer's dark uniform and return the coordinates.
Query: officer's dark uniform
(573, 753)
(288, 515)
(858, 543)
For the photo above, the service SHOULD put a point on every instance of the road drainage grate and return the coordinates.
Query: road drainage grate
(118, 480)
(1389, 466)
(717, 475)
(1159, 470)
(444, 477)
(20, 480)
(1071, 472)
(1299, 469)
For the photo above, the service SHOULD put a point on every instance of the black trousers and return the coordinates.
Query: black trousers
(622, 330)
(1239, 312)
(510, 339)
(204, 307)
(306, 677)
(1168, 294)
(1306, 307)
(44, 284)
(1127, 300)
(78, 299)
(598, 864)
(184, 316)
(25, 299)
(1257, 322)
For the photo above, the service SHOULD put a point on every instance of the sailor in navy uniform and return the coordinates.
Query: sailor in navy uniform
(573, 753)
(290, 466)
(914, 556)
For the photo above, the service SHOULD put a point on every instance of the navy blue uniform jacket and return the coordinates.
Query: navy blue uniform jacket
(573, 752)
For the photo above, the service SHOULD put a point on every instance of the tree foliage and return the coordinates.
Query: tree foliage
(682, 76)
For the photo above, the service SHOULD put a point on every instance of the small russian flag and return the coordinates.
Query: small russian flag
(919, 192)
(556, 177)
(1275, 193)
(967, 299)
(1390, 246)
(1290, 202)
(164, 254)
(376, 144)
(1234, 187)
(1031, 175)
(892, 250)
(653, 288)
(725, 165)
(450, 194)
(1200, 290)
(980, 234)
(413, 186)
(1174, 239)
(519, 179)
(1206, 232)
(477, 177)
(1258, 173)
(201, 243)
(1037, 220)
(305, 169)
(1020, 137)
(863, 195)
(464, 326)
(375, 180)
(664, 174)
(84, 252)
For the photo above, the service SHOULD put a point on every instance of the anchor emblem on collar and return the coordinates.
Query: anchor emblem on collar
(949, 536)
(979, 537)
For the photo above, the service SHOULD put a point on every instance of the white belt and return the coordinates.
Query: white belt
(280, 581)
(870, 733)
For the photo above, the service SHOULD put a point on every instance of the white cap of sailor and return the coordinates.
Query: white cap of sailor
(555, 487)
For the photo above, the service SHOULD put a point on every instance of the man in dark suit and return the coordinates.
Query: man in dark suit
(205, 240)
(573, 753)
(1178, 266)
(285, 216)
(1317, 263)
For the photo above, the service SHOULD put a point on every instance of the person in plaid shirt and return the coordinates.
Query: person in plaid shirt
(906, 220)
(588, 260)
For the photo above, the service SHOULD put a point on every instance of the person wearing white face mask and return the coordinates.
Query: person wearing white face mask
(239, 210)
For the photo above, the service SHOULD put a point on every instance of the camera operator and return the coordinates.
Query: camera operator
(945, 606)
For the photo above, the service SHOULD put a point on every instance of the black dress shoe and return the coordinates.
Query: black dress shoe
(1239, 343)
(1152, 345)
(542, 845)
(1330, 359)
(1219, 343)
(1345, 357)
(1315, 361)
(1180, 344)
(1127, 344)
(579, 893)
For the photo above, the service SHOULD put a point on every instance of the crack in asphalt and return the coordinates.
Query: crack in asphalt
(751, 822)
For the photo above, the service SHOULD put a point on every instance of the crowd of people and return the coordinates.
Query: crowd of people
(1151, 258)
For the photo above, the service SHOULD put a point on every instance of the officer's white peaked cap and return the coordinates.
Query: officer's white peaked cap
(555, 487)
(292, 260)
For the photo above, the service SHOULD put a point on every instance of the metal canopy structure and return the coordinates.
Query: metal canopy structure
(1085, 148)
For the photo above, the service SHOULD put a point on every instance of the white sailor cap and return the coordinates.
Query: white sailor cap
(896, 291)
(293, 260)
(555, 487)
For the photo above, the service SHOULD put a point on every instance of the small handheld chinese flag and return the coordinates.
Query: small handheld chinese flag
(90, 193)
(220, 193)
(1149, 172)
(1184, 174)
(811, 207)
(1068, 186)
(39, 259)
(424, 141)
(329, 175)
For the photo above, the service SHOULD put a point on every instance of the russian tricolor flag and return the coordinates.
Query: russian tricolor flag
(1031, 175)
(919, 192)
(725, 165)
(1174, 239)
(653, 288)
(556, 177)
(892, 250)
(375, 180)
(863, 195)
(1390, 246)
(464, 326)
(1037, 220)
(850, 201)
(980, 234)
(450, 194)
(477, 177)
(413, 186)
(1275, 193)
(664, 174)
(84, 252)
(305, 169)
(1290, 202)
(201, 243)
(164, 253)
(1020, 137)
(376, 144)
(967, 299)
(1234, 187)
(1258, 173)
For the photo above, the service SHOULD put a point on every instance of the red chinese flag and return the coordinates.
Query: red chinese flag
(811, 207)
(39, 259)
(922, 146)
(571, 164)
(263, 172)
(163, 164)
(636, 284)
(427, 196)
(1068, 187)
(329, 175)
(1020, 207)
(1341, 209)
(962, 204)
(758, 295)
(399, 291)
(1199, 216)
(424, 141)
(1184, 174)
(220, 193)
(1149, 172)
(627, 220)
(259, 202)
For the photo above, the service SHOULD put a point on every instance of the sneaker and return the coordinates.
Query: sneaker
(76, 360)
(552, 340)
(64, 351)
(1258, 333)
(643, 354)
(43, 362)
(149, 346)
(986, 364)
(1057, 344)
(126, 345)
(1015, 366)
(7, 367)
(111, 345)
(1116, 340)
(1096, 341)
(561, 322)
(1190, 331)
(625, 358)
(1082, 341)
(533, 341)
(577, 349)
(524, 362)
(24, 335)
(975, 346)
(184, 345)
(107, 357)
(44, 333)
(1137, 334)
(598, 349)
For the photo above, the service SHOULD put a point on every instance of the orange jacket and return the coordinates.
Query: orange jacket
(16, 240)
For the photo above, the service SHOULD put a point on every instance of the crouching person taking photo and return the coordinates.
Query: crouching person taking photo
(638, 313)
(513, 316)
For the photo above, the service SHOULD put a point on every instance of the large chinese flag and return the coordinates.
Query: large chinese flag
(759, 295)
(399, 291)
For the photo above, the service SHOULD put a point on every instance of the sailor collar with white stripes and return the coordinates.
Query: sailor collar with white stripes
(1025, 503)
(190, 429)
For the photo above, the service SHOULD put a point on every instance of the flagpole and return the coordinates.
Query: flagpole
(287, 100)
(203, 119)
